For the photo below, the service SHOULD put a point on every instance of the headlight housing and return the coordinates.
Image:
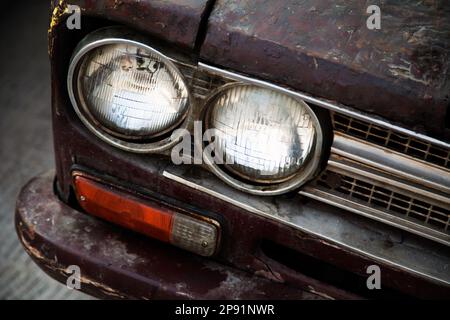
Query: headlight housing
(127, 93)
(270, 142)
(133, 97)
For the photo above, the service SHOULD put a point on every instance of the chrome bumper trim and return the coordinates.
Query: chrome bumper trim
(344, 229)
(391, 162)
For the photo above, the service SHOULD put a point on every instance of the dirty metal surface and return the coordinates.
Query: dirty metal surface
(116, 263)
(173, 21)
(145, 172)
(240, 249)
(400, 72)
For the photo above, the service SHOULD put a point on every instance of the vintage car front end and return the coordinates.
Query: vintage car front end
(211, 151)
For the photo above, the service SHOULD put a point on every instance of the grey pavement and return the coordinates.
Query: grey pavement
(25, 140)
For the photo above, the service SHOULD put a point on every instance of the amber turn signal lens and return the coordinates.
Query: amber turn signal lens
(188, 232)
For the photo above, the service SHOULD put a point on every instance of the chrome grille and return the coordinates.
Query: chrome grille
(201, 83)
(403, 197)
(381, 197)
(389, 139)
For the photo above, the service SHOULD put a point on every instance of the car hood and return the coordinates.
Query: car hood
(174, 21)
(324, 48)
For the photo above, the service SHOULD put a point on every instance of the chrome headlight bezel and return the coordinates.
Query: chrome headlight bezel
(196, 110)
(276, 187)
(118, 35)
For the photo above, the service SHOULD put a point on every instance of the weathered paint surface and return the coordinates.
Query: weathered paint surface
(239, 249)
(174, 21)
(115, 263)
(322, 47)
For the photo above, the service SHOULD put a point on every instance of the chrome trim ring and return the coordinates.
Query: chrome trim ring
(120, 35)
(276, 187)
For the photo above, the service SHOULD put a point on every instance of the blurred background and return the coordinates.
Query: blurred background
(25, 140)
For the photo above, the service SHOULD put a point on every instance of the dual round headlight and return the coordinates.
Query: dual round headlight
(133, 97)
(127, 93)
(264, 136)
(131, 91)
(270, 142)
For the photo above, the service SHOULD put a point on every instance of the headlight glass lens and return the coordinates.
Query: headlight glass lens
(130, 91)
(267, 136)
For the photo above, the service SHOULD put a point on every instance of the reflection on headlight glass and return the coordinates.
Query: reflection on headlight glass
(131, 91)
(266, 135)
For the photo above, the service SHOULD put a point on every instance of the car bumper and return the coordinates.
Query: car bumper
(116, 263)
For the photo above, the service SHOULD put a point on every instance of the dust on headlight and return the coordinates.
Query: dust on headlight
(267, 136)
(130, 91)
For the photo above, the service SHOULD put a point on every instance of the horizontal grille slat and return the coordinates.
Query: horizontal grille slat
(389, 139)
(392, 202)
(201, 83)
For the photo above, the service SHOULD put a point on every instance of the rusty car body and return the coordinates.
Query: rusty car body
(385, 94)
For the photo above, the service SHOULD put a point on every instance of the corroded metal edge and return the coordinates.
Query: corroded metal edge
(59, 12)
(117, 264)
(311, 221)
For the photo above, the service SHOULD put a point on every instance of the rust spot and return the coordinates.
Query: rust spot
(59, 11)
(271, 275)
(54, 266)
(323, 295)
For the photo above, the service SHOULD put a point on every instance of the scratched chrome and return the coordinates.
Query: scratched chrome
(382, 201)
(386, 186)
(405, 144)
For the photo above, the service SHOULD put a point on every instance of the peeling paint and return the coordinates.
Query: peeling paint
(121, 265)
(270, 275)
(53, 265)
(232, 287)
(182, 290)
(404, 71)
(59, 11)
(105, 289)
(324, 295)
